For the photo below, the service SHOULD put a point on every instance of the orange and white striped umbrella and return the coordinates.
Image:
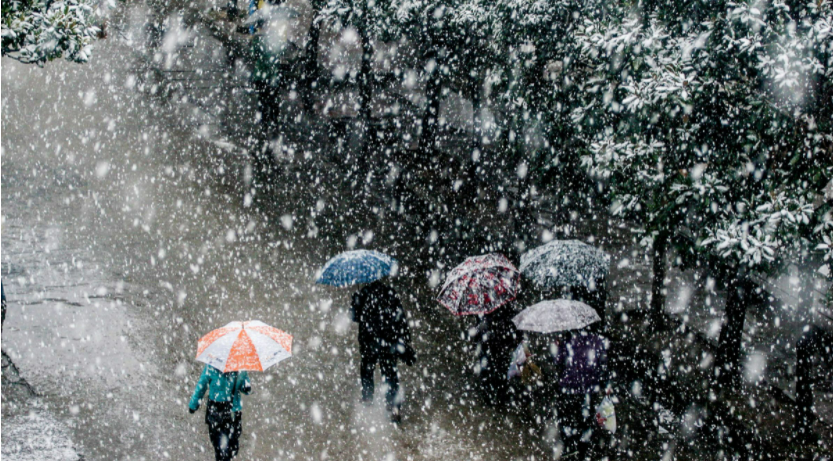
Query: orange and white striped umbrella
(250, 346)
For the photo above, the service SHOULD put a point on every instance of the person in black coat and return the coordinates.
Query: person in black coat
(384, 337)
(497, 338)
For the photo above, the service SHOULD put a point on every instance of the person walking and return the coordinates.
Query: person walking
(223, 413)
(581, 360)
(497, 337)
(384, 338)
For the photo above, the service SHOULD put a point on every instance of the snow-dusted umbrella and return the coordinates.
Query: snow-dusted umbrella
(556, 315)
(565, 263)
(270, 13)
(480, 285)
(238, 346)
(357, 266)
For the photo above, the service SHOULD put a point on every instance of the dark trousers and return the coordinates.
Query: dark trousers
(494, 362)
(390, 375)
(574, 424)
(224, 429)
(268, 103)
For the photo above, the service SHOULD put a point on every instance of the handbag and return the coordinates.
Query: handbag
(606, 415)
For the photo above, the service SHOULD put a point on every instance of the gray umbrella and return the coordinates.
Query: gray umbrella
(565, 263)
(557, 315)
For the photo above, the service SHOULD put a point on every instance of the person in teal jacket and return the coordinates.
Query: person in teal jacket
(223, 413)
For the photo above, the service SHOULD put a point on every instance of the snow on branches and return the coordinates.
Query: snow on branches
(714, 125)
(37, 31)
(754, 233)
(823, 233)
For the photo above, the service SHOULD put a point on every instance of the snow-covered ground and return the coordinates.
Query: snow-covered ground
(36, 436)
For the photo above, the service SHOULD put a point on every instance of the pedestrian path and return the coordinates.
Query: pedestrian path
(37, 436)
(30, 431)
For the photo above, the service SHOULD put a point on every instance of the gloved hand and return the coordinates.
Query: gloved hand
(409, 356)
(192, 410)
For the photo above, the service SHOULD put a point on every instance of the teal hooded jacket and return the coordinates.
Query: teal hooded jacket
(221, 387)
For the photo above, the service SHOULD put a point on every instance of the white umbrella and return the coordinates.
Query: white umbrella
(556, 315)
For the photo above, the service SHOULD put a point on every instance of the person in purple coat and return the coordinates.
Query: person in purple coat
(581, 360)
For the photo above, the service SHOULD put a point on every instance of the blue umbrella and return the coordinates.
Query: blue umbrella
(357, 266)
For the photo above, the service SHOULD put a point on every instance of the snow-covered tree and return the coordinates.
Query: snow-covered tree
(451, 40)
(718, 126)
(38, 31)
(533, 86)
(637, 102)
(777, 158)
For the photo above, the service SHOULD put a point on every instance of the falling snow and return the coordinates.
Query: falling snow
(647, 186)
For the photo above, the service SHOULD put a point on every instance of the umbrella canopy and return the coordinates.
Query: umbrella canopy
(267, 13)
(357, 266)
(557, 315)
(238, 346)
(480, 285)
(565, 263)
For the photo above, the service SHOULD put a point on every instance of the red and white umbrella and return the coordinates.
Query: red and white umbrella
(250, 346)
(480, 285)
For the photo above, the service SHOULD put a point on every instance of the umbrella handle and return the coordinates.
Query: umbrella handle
(236, 385)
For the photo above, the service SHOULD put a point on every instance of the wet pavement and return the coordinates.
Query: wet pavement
(127, 233)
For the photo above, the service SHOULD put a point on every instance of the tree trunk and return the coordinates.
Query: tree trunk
(522, 215)
(232, 12)
(727, 362)
(433, 92)
(657, 311)
(365, 89)
(433, 87)
(470, 191)
(804, 415)
(311, 71)
(477, 106)
(812, 350)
